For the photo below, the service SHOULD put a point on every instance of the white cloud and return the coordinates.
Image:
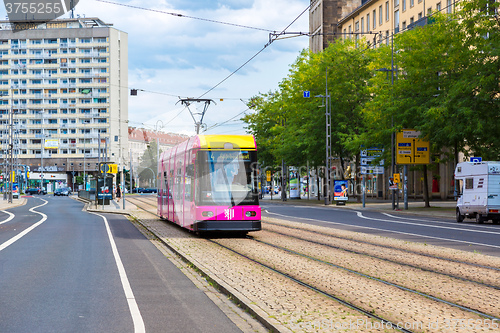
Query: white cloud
(186, 57)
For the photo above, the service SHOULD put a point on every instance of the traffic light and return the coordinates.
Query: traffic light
(28, 174)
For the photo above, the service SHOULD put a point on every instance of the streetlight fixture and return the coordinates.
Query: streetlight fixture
(42, 139)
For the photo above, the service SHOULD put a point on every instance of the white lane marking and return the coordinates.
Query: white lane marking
(11, 216)
(360, 214)
(435, 221)
(129, 294)
(393, 231)
(26, 231)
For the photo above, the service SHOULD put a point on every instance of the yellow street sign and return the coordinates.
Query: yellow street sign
(410, 149)
(113, 168)
(268, 175)
(108, 168)
(397, 178)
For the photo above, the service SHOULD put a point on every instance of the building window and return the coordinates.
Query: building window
(411, 20)
(448, 6)
(387, 11)
(367, 22)
(429, 11)
(380, 15)
(438, 7)
(356, 26)
(404, 5)
(374, 19)
(419, 15)
(396, 21)
(362, 24)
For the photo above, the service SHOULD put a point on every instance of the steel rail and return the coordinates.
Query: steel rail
(341, 301)
(385, 259)
(380, 280)
(387, 247)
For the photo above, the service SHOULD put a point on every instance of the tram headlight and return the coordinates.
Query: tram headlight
(250, 213)
(207, 213)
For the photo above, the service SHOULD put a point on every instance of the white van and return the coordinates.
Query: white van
(478, 189)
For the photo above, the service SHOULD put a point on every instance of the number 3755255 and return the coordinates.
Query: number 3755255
(34, 8)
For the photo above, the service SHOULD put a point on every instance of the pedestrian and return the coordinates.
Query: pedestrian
(118, 193)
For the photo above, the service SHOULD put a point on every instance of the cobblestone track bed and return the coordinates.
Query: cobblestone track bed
(491, 278)
(486, 299)
(376, 243)
(383, 300)
(278, 297)
(287, 305)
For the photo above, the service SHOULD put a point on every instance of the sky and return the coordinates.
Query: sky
(172, 57)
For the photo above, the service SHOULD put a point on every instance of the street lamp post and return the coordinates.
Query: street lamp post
(327, 144)
(393, 152)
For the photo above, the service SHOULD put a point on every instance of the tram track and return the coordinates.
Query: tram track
(235, 247)
(388, 323)
(379, 280)
(382, 258)
(399, 249)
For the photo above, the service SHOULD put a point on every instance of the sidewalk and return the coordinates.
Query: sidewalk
(114, 207)
(4, 204)
(442, 209)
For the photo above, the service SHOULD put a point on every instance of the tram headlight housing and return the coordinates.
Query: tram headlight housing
(207, 213)
(250, 213)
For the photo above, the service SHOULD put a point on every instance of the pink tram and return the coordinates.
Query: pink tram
(209, 183)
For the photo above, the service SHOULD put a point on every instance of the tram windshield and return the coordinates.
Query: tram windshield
(226, 178)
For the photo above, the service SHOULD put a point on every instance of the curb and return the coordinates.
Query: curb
(368, 207)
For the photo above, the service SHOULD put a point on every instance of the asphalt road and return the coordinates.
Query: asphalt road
(468, 236)
(65, 270)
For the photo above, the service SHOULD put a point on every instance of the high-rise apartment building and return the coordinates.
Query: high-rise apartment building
(65, 82)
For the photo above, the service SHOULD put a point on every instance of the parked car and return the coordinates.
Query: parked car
(137, 190)
(144, 190)
(62, 191)
(35, 190)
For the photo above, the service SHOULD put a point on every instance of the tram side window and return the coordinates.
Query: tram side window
(178, 182)
(171, 184)
(189, 182)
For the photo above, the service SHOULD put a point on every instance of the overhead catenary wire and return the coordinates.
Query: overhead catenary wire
(271, 40)
(225, 122)
(186, 16)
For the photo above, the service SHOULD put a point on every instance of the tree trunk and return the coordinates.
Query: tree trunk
(426, 188)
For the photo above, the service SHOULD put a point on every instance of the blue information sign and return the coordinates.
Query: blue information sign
(307, 94)
(476, 159)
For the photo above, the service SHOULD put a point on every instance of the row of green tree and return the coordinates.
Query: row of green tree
(441, 79)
